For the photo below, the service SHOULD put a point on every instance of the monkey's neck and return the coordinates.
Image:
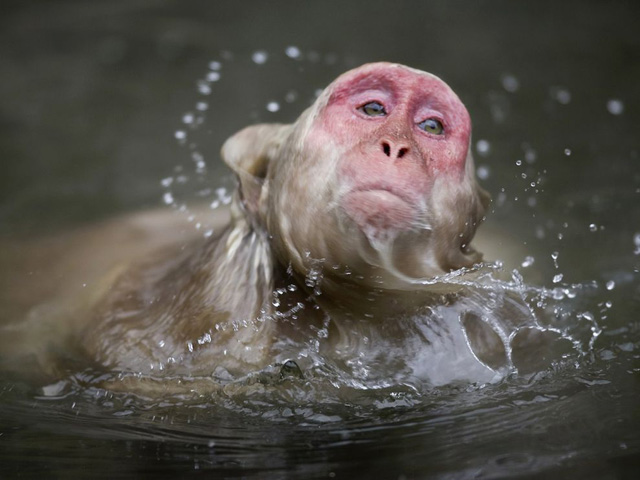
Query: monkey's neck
(342, 298)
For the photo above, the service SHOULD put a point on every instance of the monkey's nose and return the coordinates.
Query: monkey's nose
(393, 151)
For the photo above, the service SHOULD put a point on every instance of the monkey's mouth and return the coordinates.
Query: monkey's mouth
(380, 209)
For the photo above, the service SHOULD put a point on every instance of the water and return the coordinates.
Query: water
(93, 98)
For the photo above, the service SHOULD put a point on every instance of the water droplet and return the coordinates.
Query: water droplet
(510, 83)
(215, 65)
(530, 156)
(567, 151)
(483, 147)
(610, 285)
(208, 233)
(260, 57)
(292, 52)
(636, 242)
(273, 106)
(204, 88)
(291, 96)
(167, 198)
(615, 106)
(528, 261)
(593, 227)
(483, 172)
(557, 278)
(213, 76)
(561, 95)
(165, 182)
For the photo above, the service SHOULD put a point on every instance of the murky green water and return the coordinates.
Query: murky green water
(93, 96)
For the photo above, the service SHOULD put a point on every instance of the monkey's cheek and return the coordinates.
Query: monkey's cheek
(379, 210)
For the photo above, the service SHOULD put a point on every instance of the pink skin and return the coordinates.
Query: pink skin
(388, 162)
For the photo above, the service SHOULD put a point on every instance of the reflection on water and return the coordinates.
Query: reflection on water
(566, 187)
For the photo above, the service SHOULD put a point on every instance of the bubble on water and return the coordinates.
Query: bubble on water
(567, 151)
(483, 147)
(187, 118)
(636, 242)
(510, 83)
(610, 285)
(615, 106)
(208, 233)
(528, 261)
(593, 227)
(317, 92)
(557, 278)
(166, 182)
(518, 162)
(292, 52)
(167, 198)
(273, 106)
(202, 106)
(560, 95)
(213, 76)
(483, 172)
(260, 57)
(532, 201)
(215, 65)
(180, 135)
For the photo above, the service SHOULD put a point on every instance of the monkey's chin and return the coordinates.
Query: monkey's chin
(379, 211)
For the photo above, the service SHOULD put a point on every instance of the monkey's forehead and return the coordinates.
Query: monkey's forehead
(381, 74)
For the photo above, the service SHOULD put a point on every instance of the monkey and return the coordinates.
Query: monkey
(342, 228)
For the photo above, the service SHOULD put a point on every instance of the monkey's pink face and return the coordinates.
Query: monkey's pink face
(395, 130)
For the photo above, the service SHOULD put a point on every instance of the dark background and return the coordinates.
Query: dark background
(91, 93)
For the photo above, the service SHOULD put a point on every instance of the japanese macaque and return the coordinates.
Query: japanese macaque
(339, 226)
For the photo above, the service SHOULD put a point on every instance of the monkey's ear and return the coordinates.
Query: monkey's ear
(248, 153)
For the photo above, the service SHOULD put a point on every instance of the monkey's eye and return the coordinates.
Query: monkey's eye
(431, 125)
(373, 109)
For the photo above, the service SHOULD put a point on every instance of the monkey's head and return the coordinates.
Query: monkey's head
(376, 178)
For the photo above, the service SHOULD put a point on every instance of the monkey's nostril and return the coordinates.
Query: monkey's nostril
(401, 152)
(386, 149)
